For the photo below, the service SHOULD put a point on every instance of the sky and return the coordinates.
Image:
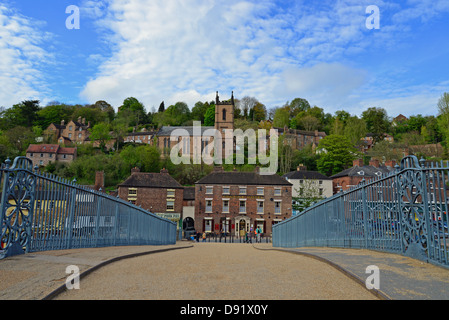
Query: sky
(330, 52)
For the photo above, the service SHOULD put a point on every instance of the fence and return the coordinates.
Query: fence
(42, 212)
(403, 212)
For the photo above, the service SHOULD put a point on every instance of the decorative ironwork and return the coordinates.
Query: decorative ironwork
(405, 212)
(412, 206)
(39, 212)
(17, 205)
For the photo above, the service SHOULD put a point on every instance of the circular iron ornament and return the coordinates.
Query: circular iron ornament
(18, 189)
(414, 227)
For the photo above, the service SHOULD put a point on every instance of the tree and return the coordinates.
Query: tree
(246, 104)
(161, 107)
(336, 154)
(443, 118)
(100, 132)
(24, 114)
(209, 117)
(355, 130)
(258, 112)
(377, 122)
(281, 117)
(135, 109)
(199, 111)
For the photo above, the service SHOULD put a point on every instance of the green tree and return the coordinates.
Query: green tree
(443, 118)
(376, 122)
(355, 130)
(100, 132)
(336, 154)
(209, 117)
(281, 117)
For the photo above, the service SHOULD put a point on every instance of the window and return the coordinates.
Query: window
(170, 193)
(224, 114)
(208, 205)
(42, 155)
(260, 191)
(70, 128)
(132, 192)
(50, 155)
(208, 225)
(277, 191)
(41, 163)
(277, 207)
(242, 190)
(170, 205)
(226, 190)
(79, 135)
(226, 206)
(209, 190)
(70, 136)
(242, 207)
(259, 206)
(321, 191)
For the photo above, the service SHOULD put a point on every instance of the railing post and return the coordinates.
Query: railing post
(97, 219)
(71, 216)
(365, 211)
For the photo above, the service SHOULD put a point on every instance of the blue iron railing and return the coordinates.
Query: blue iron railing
(42, 212)
(404, 212)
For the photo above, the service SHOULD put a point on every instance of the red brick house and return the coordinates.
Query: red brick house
(352, 176)
(43, 154)
(158, 193)
(238, 202)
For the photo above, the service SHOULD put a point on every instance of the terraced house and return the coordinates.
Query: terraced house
(158, 193)
(239, 202)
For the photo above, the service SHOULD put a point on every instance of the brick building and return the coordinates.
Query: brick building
(158, 193)
(238, 202)
(74, 132)
(352, 176)
(43, 154)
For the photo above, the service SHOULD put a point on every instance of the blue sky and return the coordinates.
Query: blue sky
(185, 50)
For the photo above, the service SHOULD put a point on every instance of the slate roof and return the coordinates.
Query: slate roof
(364, 171)
(49, 148)
(310, 175)
(167, 131)
(243, 178)
(151, 180)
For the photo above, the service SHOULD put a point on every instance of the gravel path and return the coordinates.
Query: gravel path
(215, 271)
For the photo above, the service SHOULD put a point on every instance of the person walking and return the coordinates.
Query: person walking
(258, 232)
(204, 236)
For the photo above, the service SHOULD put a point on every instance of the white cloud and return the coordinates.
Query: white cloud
(186, 50)
(21, 58)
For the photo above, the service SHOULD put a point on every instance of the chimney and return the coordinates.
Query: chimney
(164, 171)
(357, 163)
(62, 122)
(390, 163)
(135, 170)
(88, 124)
(374, 163)
(218, 169)
(99, 180)
(79, 119)
(257, 169)
(301, 167)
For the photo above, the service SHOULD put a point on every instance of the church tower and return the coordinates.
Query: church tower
(224, 119)
(224, 113)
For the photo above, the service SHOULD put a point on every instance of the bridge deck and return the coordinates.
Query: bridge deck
(218, 271)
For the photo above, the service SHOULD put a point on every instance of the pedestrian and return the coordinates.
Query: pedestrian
(204, 236)
(197, 237)
(258, 232)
